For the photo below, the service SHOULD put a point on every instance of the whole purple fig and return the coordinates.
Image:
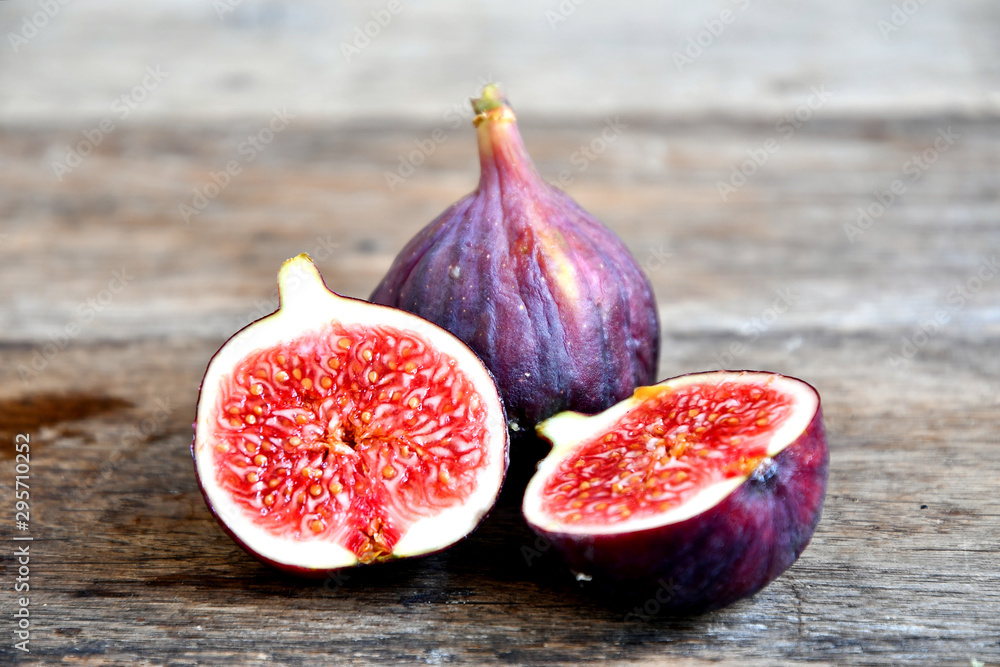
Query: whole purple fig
(548, 297)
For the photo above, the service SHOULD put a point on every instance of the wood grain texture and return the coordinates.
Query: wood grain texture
(129, 567)
(111, 304)
(557, 59)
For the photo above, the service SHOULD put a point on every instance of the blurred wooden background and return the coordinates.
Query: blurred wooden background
(113, 302)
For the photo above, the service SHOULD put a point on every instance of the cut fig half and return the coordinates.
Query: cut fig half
(694, 492)
(335, 432)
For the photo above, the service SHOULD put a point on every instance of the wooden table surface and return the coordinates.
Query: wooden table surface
(113, 303)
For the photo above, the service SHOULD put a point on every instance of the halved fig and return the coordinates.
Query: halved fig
(695, 492)
(335, 432)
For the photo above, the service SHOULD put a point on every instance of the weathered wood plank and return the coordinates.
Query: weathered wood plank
(130, 566)
(557, 58)
(714, 263)
(130, 563)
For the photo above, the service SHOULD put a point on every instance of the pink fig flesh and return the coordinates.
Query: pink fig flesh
(336, 432)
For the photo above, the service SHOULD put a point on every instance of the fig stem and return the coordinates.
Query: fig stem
(501, 152)
(491, 98)
(299, 283)
(491, 105)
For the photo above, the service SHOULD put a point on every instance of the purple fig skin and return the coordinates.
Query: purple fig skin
(548, 297)
(715, 558)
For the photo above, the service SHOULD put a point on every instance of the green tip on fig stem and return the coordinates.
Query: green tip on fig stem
(491, 98)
